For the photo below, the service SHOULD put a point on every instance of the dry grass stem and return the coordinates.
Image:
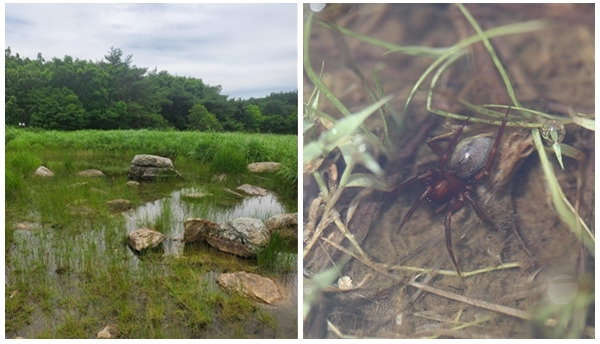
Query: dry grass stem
(383, 269)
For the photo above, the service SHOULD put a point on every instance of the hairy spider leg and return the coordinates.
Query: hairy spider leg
(490, 160)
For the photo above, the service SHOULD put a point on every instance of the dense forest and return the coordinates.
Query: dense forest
(72, 94)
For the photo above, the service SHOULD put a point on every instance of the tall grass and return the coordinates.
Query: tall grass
(229, 159)
(19, 166)
(224, 152)
(199, 145)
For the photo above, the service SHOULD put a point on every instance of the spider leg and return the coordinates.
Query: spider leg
(490, 160)
(422, 176)
(476, 207)
(435, 148)
(413, 208)
(449, 241)
(442, 208)
(446, 154)
(448, 230)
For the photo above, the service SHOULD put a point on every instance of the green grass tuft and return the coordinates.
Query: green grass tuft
(229, 159)
(278, 254)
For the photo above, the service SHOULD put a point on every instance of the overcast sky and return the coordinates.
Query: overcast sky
(248, 49)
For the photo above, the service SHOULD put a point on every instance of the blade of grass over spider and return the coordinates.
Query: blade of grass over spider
(484, 111)
(563, 207)
(434, 80)
(492, 52)
(535, 112)
(419, 82)
(504, 30)
(470, 106)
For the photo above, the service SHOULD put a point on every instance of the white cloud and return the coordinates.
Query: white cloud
(239, 46)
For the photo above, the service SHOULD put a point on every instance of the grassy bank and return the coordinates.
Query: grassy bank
(221, 152)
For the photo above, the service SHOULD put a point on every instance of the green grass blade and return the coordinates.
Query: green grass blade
(409, 50)
(340, 132)
(458, 47)
(584, 122)
(563, 207)
(488, 45)
(365, 180)
(311, 73)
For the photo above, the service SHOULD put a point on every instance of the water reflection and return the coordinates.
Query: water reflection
(171, 212)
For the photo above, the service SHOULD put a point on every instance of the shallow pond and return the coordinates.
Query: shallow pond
(193, 202)
(62, 269)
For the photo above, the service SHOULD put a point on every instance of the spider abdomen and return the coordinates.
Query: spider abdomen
(470, 156)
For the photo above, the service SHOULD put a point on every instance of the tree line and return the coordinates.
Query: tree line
(72, 94)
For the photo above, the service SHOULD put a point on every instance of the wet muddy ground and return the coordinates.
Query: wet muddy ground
(70, 272)
(552, 70)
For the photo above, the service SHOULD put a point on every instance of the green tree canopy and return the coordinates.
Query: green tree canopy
(57, 108)
(200, 119)
(68, 93)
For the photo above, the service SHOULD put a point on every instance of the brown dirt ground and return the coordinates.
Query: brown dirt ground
(553, 70)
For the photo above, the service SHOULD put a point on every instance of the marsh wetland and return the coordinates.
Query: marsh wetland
(70, 273)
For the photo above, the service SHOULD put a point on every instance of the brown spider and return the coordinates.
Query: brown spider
(451, 182)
